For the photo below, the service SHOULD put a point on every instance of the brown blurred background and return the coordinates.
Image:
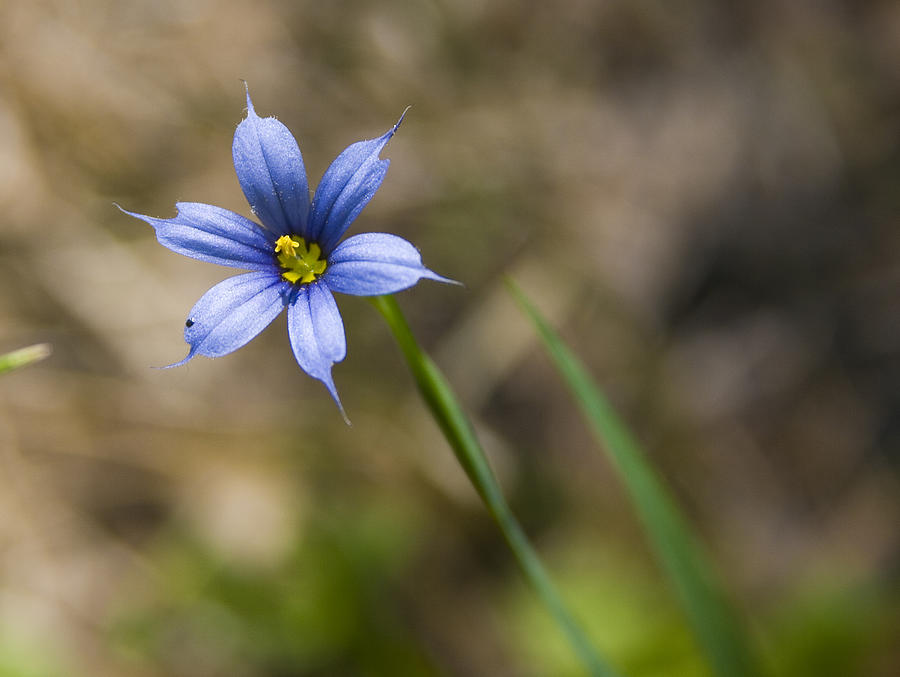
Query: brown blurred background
(702, 196)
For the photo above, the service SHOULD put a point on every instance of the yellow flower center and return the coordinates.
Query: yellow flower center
(301, 263)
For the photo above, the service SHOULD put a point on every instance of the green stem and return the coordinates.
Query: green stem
(460, 434)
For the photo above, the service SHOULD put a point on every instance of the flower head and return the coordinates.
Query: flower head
(296, 257)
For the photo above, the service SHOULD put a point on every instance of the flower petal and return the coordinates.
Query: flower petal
(317, 336)
(214, 234)
(375, 263)
(270, 170)
(233, 312)
(347, 186)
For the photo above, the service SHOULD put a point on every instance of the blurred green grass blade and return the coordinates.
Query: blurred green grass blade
(715, 624)
(24, 356)
(459, 432)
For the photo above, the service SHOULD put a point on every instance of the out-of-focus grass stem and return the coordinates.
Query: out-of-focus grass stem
(715, 623)
(24, 356)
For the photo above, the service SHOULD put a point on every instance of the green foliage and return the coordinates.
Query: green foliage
(326, 609)
(460, 434)
(19, 660)
(715, 624)
(626, 612)
(832, 629)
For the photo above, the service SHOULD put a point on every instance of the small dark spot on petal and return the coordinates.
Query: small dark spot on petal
(189, 323)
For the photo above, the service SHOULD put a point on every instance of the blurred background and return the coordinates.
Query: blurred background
(703, 198)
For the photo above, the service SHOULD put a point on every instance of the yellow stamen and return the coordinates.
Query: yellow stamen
(287, 245)
(301, 263)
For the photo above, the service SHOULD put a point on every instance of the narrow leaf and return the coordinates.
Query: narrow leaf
(714, 622)
(460, 434)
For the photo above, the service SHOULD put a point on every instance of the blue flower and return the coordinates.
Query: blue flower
(295, 257)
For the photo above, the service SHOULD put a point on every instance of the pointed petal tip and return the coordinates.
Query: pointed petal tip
(142, 217)
(344, 415)
(250, 109)
(402, 116)
(440, 278)
(180, 363)
(332, 390)
(328, 381)
(125, 211)
(397, 124)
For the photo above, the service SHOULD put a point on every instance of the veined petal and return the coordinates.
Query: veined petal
(370, 264)
(233, 312)
(214, 234)
(347, 186)
(270, 170)
(317, 336)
